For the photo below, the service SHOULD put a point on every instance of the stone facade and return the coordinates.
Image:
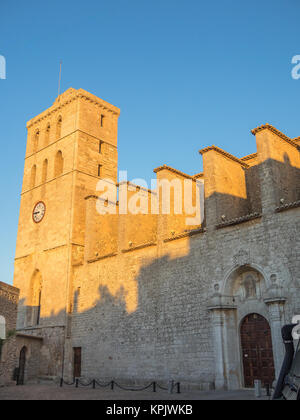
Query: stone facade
(145, 296)
(9, 297)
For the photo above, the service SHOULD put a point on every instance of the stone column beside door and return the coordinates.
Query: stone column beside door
(275, 301)
(223, 319)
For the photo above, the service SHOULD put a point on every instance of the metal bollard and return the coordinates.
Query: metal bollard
(268, 390)
(257, 388)
(171, 386)
(94, 384)
(178, 387)
(61, 382)
(112, 385)
(77, 383)
(154, 386)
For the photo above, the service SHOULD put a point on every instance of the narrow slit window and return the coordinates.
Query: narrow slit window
(102, 120)
(47, 135)
(101, 146)
(36, 141)
(38, 315)
(58, 128)
(99, 170)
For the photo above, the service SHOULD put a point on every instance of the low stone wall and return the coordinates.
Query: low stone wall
(9, 297)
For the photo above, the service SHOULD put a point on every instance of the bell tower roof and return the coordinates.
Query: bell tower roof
(69, 96)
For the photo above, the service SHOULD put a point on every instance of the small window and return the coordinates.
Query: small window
(101, 146)
(99, 170)
(102, 118)
(58, 128)
(36, 141)
(47, 135)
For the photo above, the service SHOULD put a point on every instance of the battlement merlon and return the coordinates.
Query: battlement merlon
(176, 172)
(278, 159)
(69, 96)
(293, 142)
(256, 183)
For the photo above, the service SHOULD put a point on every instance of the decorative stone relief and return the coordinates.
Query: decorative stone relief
(242, 258)
(273, 278)
(249, 284)
(216, 287)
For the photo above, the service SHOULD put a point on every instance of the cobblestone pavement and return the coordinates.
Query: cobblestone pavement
(54, 392)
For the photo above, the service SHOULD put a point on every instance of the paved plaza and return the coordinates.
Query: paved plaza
(54, 392)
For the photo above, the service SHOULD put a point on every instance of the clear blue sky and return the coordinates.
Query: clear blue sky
(186, 74)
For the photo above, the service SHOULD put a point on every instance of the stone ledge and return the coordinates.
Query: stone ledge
(138, 247)
(185, 235)
(31, 337)
(37, 327)
(102, 257)
(288, 206)
(238, 220)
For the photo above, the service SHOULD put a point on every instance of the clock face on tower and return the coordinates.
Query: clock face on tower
(38, 212)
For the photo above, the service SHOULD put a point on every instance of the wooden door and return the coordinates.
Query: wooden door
(22, 365)
(257, 352)
(77, 362)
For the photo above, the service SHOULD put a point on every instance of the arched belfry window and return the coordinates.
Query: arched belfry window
(59, 163)
(36, 139)
(33, 176)
(35, 299)
(45, 170)
(58, 128)
(47, 135)
(2, 328)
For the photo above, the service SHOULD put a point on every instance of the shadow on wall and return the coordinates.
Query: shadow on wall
(168, 334)
(271, 182)
(165, 337)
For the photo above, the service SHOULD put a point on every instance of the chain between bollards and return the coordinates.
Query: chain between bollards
(112, 385)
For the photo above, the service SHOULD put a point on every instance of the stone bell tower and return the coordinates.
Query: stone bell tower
(69, 147)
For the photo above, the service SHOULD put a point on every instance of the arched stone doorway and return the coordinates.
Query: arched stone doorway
(245, 290)
(22, 366)
(257, 351)
(35, 299)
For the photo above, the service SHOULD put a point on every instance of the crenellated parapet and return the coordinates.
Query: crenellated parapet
(231, 190)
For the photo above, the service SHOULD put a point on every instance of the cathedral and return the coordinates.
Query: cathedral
(141, 296)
